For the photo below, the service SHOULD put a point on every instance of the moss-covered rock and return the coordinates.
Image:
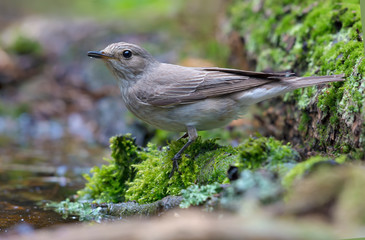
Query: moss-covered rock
(310, 38)
(108, 183)
(87, 211)
(142, 175)
(203, 162)
(307, 166)
(265, 152)
(336, 195)
(260, 186)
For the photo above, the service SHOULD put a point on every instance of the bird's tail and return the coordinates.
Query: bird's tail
(300, 82)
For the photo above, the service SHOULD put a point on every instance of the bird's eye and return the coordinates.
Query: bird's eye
(127, 53)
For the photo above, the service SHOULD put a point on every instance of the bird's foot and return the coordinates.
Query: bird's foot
(175, 164)
(192, 134)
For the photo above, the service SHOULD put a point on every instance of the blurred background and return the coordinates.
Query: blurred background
(58, 108)
(51, 90)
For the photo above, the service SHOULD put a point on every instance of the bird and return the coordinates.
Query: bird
(191, 99)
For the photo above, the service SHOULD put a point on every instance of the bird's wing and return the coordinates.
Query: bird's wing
(180, 85)
(277, 76)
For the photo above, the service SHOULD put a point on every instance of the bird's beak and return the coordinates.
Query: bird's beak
(97, 54)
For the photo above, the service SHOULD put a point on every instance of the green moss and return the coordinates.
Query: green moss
(108, 182)
(260, 152)
(142, 175)
(23, 45)
(304, 120)
(204, 162)
(12, 109)
(329, 100)
(327, 41)
(301, 168)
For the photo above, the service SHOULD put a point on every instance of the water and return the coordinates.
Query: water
(31, 177)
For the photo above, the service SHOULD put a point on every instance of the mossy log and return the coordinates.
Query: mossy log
(134, 209)
(308, 38)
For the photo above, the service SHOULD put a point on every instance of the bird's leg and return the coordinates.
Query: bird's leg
(192, 133)
(183, 136)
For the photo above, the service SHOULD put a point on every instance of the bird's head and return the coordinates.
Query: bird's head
(127, 61)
